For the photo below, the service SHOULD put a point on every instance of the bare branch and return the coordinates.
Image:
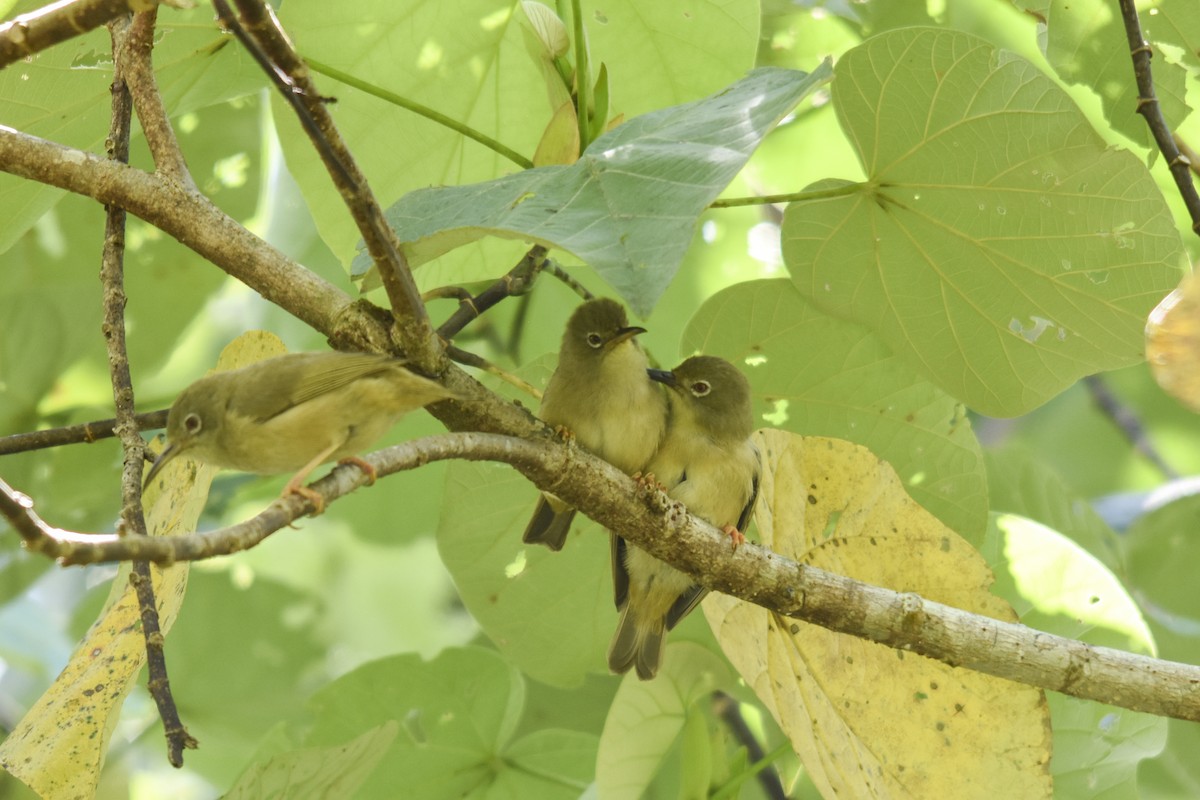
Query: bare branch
(86, 432)
(660, 526)
(726, 707)
(139, 76)
(112, 279)
(1147, 106)
(517, 281)
(467, 358)
(33, 32)
(259, 31)
(1128, 423)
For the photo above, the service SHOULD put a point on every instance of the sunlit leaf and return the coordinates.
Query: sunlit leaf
(998, 244)
(1057, 587)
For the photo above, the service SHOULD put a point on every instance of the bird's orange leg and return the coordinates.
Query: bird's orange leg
(296, 484)
(737, 537)
(367, 469)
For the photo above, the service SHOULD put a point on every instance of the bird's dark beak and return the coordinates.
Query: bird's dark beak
(624, 335)
(664, 376)
(169, 452)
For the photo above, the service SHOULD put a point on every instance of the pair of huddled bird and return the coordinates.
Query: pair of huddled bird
(294, 412)
(693, 439)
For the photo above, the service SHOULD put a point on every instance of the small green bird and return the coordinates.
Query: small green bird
(708, 463)
(293, 412)
(601, 394)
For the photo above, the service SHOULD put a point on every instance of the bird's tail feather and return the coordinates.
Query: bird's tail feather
(549, 526)
(637, 645)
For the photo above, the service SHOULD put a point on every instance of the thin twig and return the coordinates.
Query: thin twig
(1128, 423)
(658, 525)
(552, 268)
(422, 110)
(84, 433)
(112, 278)
(1148, 107)
(469, 359)
(517, 281)
(1186, 149)
(447, 293)
(33, 32)
(259, 31)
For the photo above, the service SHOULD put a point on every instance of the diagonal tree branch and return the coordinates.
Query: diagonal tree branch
(1148, 107)
(86, 432)
(33, 32)
(259, 31)
(152, 114)
(654, 522)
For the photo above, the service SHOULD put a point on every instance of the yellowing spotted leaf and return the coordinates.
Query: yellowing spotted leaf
(1173, 343)
(59, 746)
(867, 720)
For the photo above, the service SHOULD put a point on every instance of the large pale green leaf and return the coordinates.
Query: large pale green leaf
(629, 206)
(1057, 587)
(997, 245)
(552, 614)
(458, 713)
(817, 375)
(463, 58)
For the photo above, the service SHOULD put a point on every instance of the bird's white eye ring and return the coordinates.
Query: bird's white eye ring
(701, 388)
(191, 423)
(595, 339)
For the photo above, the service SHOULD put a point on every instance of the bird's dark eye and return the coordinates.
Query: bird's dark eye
(701, 388)
(191, 423)
(595, 339)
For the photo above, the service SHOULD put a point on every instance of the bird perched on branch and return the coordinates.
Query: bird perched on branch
(602, 396)
(708, 463)
(293, 412)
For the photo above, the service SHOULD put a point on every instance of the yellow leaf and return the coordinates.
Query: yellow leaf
(560, 140)
(1173, 343)
(58, 747)
(867, 720)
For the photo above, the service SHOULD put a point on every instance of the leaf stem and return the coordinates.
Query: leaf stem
(583, 78)
(791, 197)
(424, 111)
